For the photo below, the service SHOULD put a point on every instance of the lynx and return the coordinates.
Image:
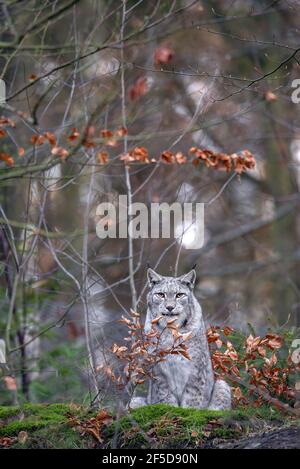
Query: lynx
(178, 381)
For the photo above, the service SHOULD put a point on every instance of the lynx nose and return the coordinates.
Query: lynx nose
(170, 308)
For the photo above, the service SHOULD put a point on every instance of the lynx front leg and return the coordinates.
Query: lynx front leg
(221, 396)
(160, 393)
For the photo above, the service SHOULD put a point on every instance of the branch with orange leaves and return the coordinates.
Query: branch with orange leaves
(144, 350)
(91, 138)
(255, 364)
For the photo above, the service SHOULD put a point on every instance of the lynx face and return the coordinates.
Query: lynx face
(171, 297)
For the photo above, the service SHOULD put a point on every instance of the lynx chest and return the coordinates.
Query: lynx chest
(177, 370)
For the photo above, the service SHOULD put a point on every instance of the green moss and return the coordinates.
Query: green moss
(162, 425)
(9, 411)
(144, 415)
(154, 426)
(31, 417)
(53, 437)
(148, 415)
(165, 426)
(47, 425)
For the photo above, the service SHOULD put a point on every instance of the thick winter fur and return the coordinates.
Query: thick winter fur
(178, 381)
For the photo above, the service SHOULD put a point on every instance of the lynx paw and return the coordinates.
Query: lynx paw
(137, 402)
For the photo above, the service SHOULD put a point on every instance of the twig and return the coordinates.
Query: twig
(127, 174)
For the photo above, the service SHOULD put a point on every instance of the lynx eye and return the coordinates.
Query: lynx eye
(161, 295)
(180, 295)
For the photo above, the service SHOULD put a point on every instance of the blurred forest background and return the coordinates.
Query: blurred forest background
(176, 74)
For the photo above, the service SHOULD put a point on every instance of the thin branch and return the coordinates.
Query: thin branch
(127, 173)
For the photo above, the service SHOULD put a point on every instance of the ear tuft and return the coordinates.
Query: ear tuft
(189, 279)
(153, 277)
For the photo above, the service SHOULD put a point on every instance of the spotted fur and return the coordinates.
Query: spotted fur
(178, 381)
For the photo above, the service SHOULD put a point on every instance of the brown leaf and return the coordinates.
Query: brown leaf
(184, 354)
(138, 89)
(156, 320)
(125, 320)
(7, 159)
(51, 138)
(262, 351)
(121, 132)
(10, 383)
(74, 135)
(185, 337)
(114, 348)
(104, 417)
(221, 161)
(140, 381)
(105, 133)
(270, 96)
(7, 121)
(32, 77)
(167, 157)
(22, 437)
(274, 341)
(127, 158)
(134, 314)
(94, 432)
(6, 441)
(233, 355)
(102, 157)
(180, 158)
(171, 321)
(140, 154)
(237, 393)
(112, 143)
(38, 140)
(163, 55)
(60, 151)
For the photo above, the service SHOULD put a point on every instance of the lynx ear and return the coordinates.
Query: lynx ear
(153, 277)
(189, 278)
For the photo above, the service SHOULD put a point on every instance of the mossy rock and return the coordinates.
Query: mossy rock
(164, 426)
(153, 426)
(47, 425)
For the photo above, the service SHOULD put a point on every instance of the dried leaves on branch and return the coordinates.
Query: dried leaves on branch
(144, 350)
(236, 162)
(259, 369)
(91, 138)
(92, 426)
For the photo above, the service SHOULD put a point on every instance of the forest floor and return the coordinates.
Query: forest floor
(155, 426)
